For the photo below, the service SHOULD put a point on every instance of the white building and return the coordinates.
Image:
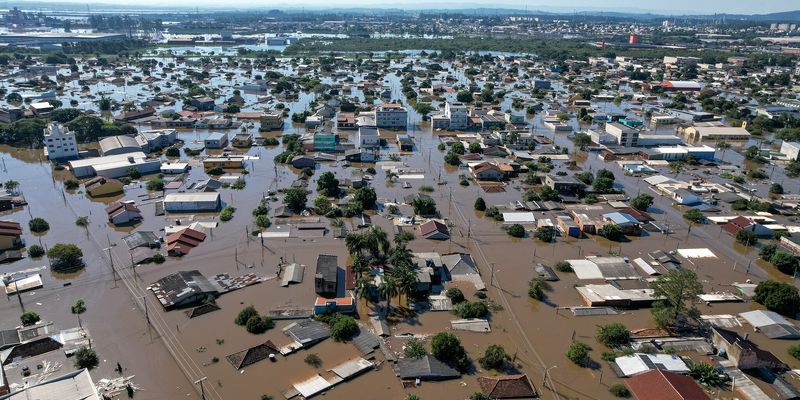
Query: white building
(114, 166)
(156, 139)
(59, 142)
(368, 137)
(191, 202)
(391, 115)
(601, 137)
(458, 114)
(625, 136)
(791, 150)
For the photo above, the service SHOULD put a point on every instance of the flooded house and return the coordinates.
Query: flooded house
(744, 353)
(507, 387)
(184, 289)
(216, 140)
(101, 186)
(10, 235)
(123, 213)
(326, 276)
(664, 385)
(425, 368)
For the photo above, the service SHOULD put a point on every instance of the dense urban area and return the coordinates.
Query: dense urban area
(387, 204)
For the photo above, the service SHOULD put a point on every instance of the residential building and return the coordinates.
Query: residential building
(425, 368)
(156, 139)
(628, 224)
(346, 120)
(664, 385)
(229, 161)
(391, 115)
(73, 385)
(183, 241)
(60, 143)
(715, 133)
(192, 202)
(638, 363)
(434, 230)
(791, 150)
(405, 143)
(744, 223)
(216, 140)
(324, 142)
(487, 172)
(10, 114)
(744, 353)
(202, 103)
(41, 108)
(271, 121)
(686, 197)
(123, 213)
(458, 114)
(625, 136)
(10, 235)
(184, 289)
(242, 140)
(507, 387)
(563, 184)
(134, 115)
(301, 162)
(681, 86)
(101, 186)
(368, 137)
(792, 242)
(326, 276)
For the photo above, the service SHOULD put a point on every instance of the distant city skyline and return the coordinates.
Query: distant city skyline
(688, 7)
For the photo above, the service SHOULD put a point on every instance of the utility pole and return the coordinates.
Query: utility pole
(202, 389)
(491, 277)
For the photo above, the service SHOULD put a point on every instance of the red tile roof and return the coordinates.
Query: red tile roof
(507, 387)
(431, 227)
(663, 385)
(10, 228)
(184, 240)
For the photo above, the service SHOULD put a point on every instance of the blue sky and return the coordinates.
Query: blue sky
(669, 7)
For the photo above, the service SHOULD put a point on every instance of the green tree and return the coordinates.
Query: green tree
(782, 298)
(414, 349)
(471, 309)
(746, 237)
(448, 349)
(494, 357)
(295, 199)
(313, 360)
(259, 324)
(262, 221)
(619, 390)
(794, 351)
(365, 197)
(133, 173)
(545, 233)
(578, 353)
(694, 215)
(536, 289)
(38, 225)
(245, 314)
(29, 318)
(784, 262)
(768, 251)
(328, 185)
(155, 185)
(516, 230)
(705, 374)
(676, 287)
(172, 152)
(35, 251)
(642, 202)
(104, 104)
(611, 232)
(343, 327)
(424, 206)
(581, 140)
(77, 309)
(480, 205)
(423, 108)
(613, 335)
(322, 205)
(65, 258)
(603, 185)
(455, 295)
(86, 358)
(464, 96)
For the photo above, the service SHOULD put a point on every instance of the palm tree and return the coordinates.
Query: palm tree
(400, 256)
(388, 289)
(376, 241)
(407, 280)
(363, 287)
(723, 146)
(360, 265)
(79, 308)
(354, 242)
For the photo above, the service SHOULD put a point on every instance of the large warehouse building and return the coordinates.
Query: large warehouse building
(192, 202)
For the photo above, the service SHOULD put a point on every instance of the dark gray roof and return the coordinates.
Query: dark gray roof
(326, 267)
(425, 368)
(8, 338)
(183, 286)
(308, 331)
(141, 239)
(366, 342)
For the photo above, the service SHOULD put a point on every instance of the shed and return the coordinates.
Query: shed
(426, 368)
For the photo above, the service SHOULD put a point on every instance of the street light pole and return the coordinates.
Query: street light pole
(202, 390)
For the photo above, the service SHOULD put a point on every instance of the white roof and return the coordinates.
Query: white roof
(585, 269)
(113, 159)
(199, 196)
(657, 180)
(696, 253)
(760, 318)
(76, 385)
(312, 386)
(638, 363)
(649, 270)
(519, 217)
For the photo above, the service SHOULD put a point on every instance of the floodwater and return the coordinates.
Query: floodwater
(537, 334)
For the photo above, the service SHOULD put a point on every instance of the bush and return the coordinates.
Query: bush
(414, 349)
(613, 335)
(782, 298)
(295, 199)
(545, 233)
(35, 251)
(343, 327)
(263, 222)
(694, 215)
(563, 266)
(611, 232)
(455, 295)
(494, 357)
(480, 204)
(579, 353)
(746, 237)
(172, 152)
(65, 258)
(239, 184)
(29, 318)
(38, 225)
(245, 315)
(82, 221)
(313, 360)
(258, 324)
(768, 251)
(217, 171)
(536, 289)
(424, 206)
(448, 349)
(158, 258)
(86, 358)
(642, 202)
(227, 213)
(493, 212)
(71, 184)
(705, 374)
(784, 262)
(516, 230)
(471, 309)
(366, 197)
(155, 185)
(794, 351)
(619, 390)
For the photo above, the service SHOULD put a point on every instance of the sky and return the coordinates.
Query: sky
(634, 6)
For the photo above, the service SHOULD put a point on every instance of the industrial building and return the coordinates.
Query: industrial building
(114, 166)
(192, 202)
(121, 144)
